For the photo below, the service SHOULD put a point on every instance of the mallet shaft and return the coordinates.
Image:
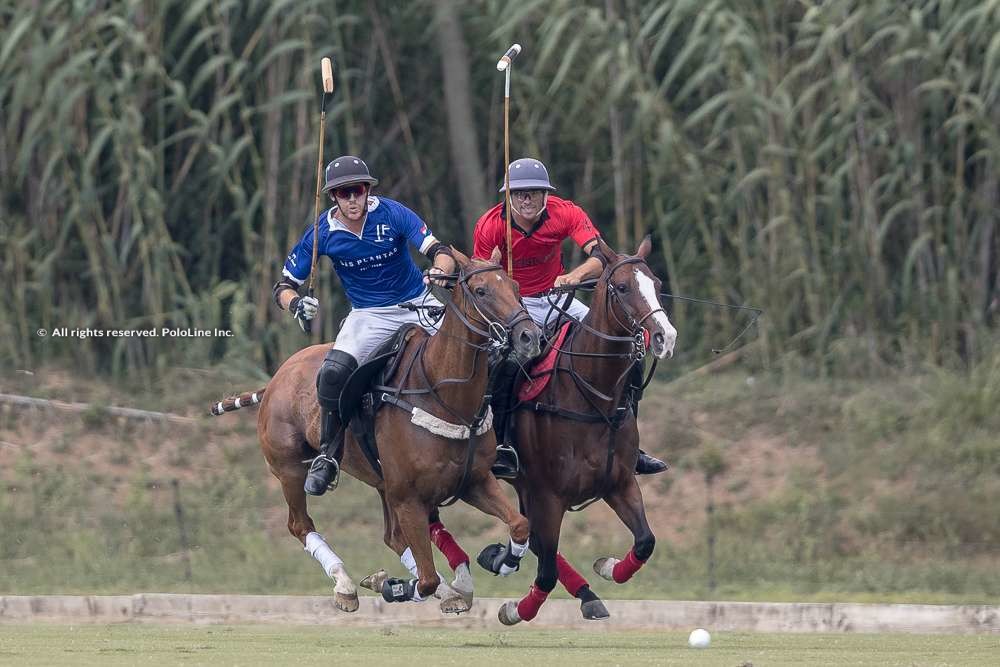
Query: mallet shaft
(326, 69)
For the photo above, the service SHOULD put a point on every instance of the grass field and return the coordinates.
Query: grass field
(251, 645)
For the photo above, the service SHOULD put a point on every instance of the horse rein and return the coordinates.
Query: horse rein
(497, 331)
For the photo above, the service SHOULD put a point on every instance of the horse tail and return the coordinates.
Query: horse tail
(238, 401)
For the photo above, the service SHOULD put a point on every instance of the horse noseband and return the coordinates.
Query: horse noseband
(635, 326)
(498, 331)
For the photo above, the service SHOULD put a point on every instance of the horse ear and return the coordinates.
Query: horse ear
(459, 257)
(645, 247)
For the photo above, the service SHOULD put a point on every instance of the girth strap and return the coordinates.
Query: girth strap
(482, 423)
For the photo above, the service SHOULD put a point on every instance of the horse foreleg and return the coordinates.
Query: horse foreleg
(300, 525)
(497, 558)
(545, 514)
(627, 504)
(418, 558)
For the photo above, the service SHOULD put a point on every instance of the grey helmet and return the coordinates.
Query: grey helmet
(528, 174)
(346, 170)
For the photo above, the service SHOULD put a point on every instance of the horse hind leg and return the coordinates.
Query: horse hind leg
(627, 504)
(591, 606)
(300, 525)
(458, 560)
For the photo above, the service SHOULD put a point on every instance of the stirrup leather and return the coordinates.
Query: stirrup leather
(321, 459)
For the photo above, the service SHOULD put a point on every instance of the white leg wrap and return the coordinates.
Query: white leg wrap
(317, 547)
(410, 563)
(463, 579)
(518, 551)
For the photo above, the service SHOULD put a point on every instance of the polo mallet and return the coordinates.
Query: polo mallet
(327, 69)
(504, 65)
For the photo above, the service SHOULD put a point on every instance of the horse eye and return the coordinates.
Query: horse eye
(622, 288)
(480, 291)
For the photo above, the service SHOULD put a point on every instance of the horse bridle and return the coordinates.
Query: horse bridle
(634, 326)
(497, 331)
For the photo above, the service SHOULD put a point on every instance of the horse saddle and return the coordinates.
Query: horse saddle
(358, 405)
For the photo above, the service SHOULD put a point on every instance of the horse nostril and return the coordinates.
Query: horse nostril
(658, 339)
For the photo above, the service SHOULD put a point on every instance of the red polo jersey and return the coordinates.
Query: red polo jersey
(537, 253)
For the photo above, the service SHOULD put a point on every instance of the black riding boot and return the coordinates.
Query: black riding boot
(324, 470)
(646, 464)
(649, 465)
(504, 399)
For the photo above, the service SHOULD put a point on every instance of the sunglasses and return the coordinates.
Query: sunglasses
(525, 194)
(359, 190)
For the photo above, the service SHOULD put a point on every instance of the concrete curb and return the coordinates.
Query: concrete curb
(625, 614)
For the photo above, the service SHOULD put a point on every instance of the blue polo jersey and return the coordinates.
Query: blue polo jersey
(375, 268)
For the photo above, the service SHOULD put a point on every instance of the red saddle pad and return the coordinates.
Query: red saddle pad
(542, 370)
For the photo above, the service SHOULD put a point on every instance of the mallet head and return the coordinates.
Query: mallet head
(504, 61)
(327, 66)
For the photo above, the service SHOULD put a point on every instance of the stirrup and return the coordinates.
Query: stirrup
(504, 448)
(318, 462)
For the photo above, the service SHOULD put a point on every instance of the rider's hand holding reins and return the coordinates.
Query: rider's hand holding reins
(303, 309)
(444, 265)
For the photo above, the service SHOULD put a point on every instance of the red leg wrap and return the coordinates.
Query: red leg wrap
(529, 605)
(624, 570)
(447, 545)
(571, 580)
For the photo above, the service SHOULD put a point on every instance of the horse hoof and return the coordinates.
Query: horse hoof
(468, 596)
(508, 614)
(374, 581)
(346, 601)
(605, 567)
(454, 605)
(594, 610)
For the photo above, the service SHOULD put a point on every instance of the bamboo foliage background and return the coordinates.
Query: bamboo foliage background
(833, 162)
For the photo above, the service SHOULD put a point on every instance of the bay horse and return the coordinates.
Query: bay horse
(444, 377)
(578, 440)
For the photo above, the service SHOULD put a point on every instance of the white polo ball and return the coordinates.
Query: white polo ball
(699, 638)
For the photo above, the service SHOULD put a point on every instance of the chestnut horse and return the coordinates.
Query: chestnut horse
(444, 377)
(578, 440)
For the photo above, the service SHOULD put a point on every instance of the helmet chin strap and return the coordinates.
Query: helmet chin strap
(545, 200)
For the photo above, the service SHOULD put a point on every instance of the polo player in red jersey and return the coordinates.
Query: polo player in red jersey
(540, 222)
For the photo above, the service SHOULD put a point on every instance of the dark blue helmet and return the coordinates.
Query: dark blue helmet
(346, 170)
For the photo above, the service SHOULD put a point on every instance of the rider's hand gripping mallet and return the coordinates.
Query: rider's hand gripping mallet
(327, 69)
(504, 65)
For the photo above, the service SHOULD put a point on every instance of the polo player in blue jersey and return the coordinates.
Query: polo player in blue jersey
(366, 238)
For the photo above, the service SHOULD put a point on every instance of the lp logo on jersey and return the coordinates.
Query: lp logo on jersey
(382, 233)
